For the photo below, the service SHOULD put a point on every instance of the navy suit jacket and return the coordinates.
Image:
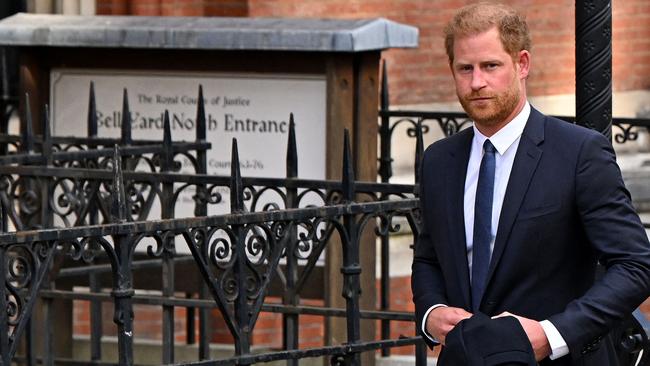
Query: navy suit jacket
(565, 209)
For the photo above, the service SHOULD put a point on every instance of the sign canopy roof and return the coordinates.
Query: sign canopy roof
(206, 33)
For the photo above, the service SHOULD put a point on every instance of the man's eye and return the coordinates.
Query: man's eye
(491, 66)
(466, 68)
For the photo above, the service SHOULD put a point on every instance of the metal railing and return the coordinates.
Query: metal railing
(261, 243)
(237, 256)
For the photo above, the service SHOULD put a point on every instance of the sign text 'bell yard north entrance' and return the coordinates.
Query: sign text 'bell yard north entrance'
(253, 108)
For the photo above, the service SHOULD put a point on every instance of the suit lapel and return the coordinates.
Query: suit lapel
(525, 163)
(457, 171)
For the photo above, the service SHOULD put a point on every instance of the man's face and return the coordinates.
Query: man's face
(489, 84)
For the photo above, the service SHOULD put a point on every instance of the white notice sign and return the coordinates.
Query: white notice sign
(254, 108)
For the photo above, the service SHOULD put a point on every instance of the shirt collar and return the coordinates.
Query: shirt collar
(506, 136)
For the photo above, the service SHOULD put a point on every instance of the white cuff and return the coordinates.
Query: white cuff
(424, 322)
(558, 345)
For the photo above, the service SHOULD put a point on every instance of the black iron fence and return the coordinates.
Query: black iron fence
(236, 259)
(237, 255)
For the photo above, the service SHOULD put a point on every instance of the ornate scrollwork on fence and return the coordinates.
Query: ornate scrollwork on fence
(25, 267)
(21, 201)
(628, 129)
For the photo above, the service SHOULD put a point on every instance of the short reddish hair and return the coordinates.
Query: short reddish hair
(481, 17)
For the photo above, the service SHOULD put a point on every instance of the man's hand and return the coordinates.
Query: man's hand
(535, 334)
(443, 319)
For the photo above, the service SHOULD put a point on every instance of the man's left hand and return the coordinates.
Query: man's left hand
(535, 334)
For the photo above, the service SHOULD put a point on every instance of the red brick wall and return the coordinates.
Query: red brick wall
(421, 75)
(631, 46)
(268, 329)
(173, 7)
(148, 325)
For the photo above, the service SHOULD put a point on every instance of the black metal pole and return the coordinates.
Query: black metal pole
(594, 65)
(242, 314)
(385, 172)
(385, 159)
(201, 209)
(420, 348)
(351, 268)
(291, 321)
(122, 277)
(168, 267)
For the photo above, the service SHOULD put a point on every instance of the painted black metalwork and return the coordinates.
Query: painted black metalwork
(45, 184)
(594, 65)
(237, 255)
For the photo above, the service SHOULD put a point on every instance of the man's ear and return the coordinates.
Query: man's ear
(523, 61)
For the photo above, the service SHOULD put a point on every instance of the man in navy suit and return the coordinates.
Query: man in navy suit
(556, 207)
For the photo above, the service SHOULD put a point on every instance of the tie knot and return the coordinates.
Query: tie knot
(488, 147)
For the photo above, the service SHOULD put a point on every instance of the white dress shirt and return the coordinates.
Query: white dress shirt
(506, 142)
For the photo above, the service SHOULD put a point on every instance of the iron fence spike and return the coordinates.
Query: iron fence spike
(46, 150)
(292, 151)
(236, 185)
(47, 132)
(28, 134)
(126, 120)
(200, 116)
(92, 111)
(419, 150)
(167, 152)
(118, 206)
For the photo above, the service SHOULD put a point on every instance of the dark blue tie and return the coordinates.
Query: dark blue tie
(482, 224)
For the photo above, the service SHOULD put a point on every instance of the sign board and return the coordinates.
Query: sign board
(254, 108)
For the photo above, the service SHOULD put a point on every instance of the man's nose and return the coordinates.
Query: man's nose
(478, 81)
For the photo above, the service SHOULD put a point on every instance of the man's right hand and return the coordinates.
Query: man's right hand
(443, 319)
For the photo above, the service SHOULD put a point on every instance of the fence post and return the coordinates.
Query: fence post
(420, 347)
(290, 322)
(351, 269)
(168, 268)
(385, 172)
(96, 326)
(201, 209)
(46, 151)
(126, 120)
(46, 221)
(122, 277)
(242, 314)
(385, 159)
(419, 151)
(92, 112)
